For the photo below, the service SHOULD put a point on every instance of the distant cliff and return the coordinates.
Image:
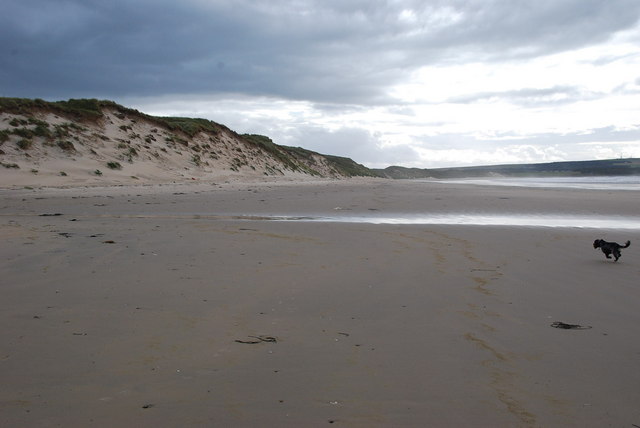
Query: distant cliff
(629, 166)
(93, 141)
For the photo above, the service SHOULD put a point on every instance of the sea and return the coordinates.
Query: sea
(627, 182)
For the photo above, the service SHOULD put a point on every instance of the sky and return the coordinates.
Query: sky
(425, 84)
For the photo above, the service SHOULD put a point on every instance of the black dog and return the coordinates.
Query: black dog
(609, 248)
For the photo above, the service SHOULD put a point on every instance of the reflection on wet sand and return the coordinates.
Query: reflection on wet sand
(459, 219)
(543, 220)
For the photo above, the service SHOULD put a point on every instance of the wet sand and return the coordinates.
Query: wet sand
(127, 308)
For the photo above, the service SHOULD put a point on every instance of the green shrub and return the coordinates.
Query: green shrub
(37, 122)
(114, 165)
(24, 144)
(130, 154)
(97, 172)
(67, 146)
(61, 131)
(189, 126)
(90, 109)
(42, 131)
(266, 144)
(23, 132)
(4, 135)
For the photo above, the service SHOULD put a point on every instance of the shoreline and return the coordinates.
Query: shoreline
(115, 319)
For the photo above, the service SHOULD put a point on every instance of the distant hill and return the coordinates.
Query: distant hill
(629, 166)
(98, 141)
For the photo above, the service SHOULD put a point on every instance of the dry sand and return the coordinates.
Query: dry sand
(126, 309)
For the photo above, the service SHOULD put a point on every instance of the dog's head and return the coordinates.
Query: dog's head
(596, 243)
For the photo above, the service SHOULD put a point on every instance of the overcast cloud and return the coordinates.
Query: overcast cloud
(413, 83)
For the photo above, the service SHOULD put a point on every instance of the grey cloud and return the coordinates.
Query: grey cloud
(531, 97)
(525, 28)
(608, 59)
(566, 143)
(355, 143)
(326, 51)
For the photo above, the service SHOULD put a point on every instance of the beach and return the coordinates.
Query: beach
(255, 304)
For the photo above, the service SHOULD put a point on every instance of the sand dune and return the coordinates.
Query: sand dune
(42, 144)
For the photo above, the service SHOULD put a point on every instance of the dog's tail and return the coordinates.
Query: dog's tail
(626, 245)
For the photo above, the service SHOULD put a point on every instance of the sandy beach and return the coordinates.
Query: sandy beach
(223, 305)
